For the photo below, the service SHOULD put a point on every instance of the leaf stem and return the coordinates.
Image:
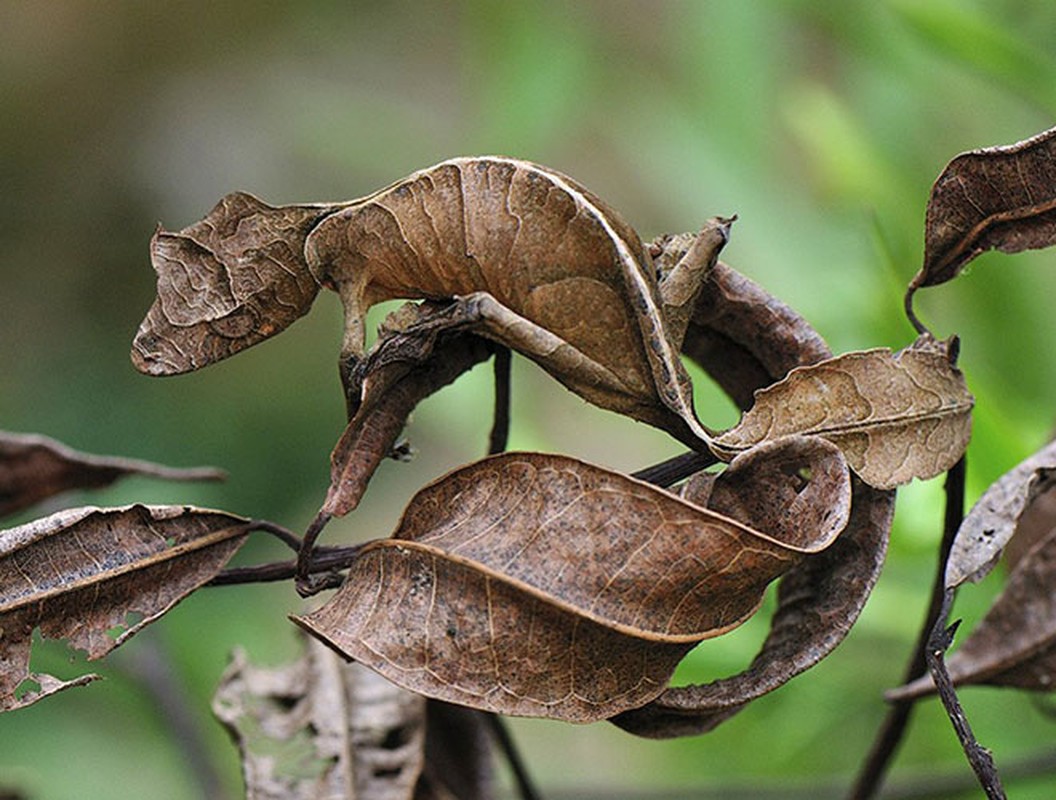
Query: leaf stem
(520, 772)
(500, 429)
(889, 736)
(669, 472)
(325, 559)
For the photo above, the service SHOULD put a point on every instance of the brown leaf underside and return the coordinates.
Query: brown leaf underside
(1000, 198)
(81, 574)
(539, 585)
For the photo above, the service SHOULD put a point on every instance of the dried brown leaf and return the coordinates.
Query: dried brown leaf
(415, 356)
(543, 586)
(225, 283)
(1015, 643)
(896, 416)
(1000, 198)
(820, 598)
(535, 261)
(33, 468)
(321, 727)
(744, 337)
(818, 602)
(97, 576)
(993, 519)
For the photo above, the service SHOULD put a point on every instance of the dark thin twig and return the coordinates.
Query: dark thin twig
(500, 428)
(670, 472)
(284, 535)
(520, 772)
(978, 756)
(306, 585)
(907, 303)
(889, 736)
(325, 559)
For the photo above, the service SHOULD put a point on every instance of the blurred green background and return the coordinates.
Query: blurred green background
(822, 124)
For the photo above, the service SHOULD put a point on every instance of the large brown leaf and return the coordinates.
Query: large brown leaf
(225, 283)
(1015, 643)
(543, 586)
(1000, 198)
(896, 416)
(33, 468)
(97, 576)
(989, 526)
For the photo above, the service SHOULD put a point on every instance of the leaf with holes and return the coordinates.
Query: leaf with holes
(97, 576)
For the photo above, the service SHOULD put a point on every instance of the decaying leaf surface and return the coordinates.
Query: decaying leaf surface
(537, 262)
(321, 727)
(820, 598)
(1000, 198)
(33, 468)
(226, 282)
(552, 271)
(539, 585)
(1015, 643)
(414, 357)
(818, 602)
(97, 576)
(896, 416)
(993, 519)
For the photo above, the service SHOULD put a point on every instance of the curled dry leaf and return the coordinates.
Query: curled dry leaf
(226, 282)
(745, 338)
(536, 261)
(1015, 643)
(896, 416)
(817, 603)
(1000, 198)
(33, 468)
(97, 576)
(820, 598)
(539, 585)
(993, 519)
(321, 727)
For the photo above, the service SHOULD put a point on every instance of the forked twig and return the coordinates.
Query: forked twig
(891, 731)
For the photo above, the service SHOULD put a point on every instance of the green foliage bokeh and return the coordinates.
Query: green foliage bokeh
(822, 125)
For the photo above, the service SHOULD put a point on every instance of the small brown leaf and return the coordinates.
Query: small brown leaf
(1000, 198)
(97, 576)
(543, 586)
(225, 283)
(33, 468)
(895, 416)
(1015, 643)
(993, 519)
(320, 727)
